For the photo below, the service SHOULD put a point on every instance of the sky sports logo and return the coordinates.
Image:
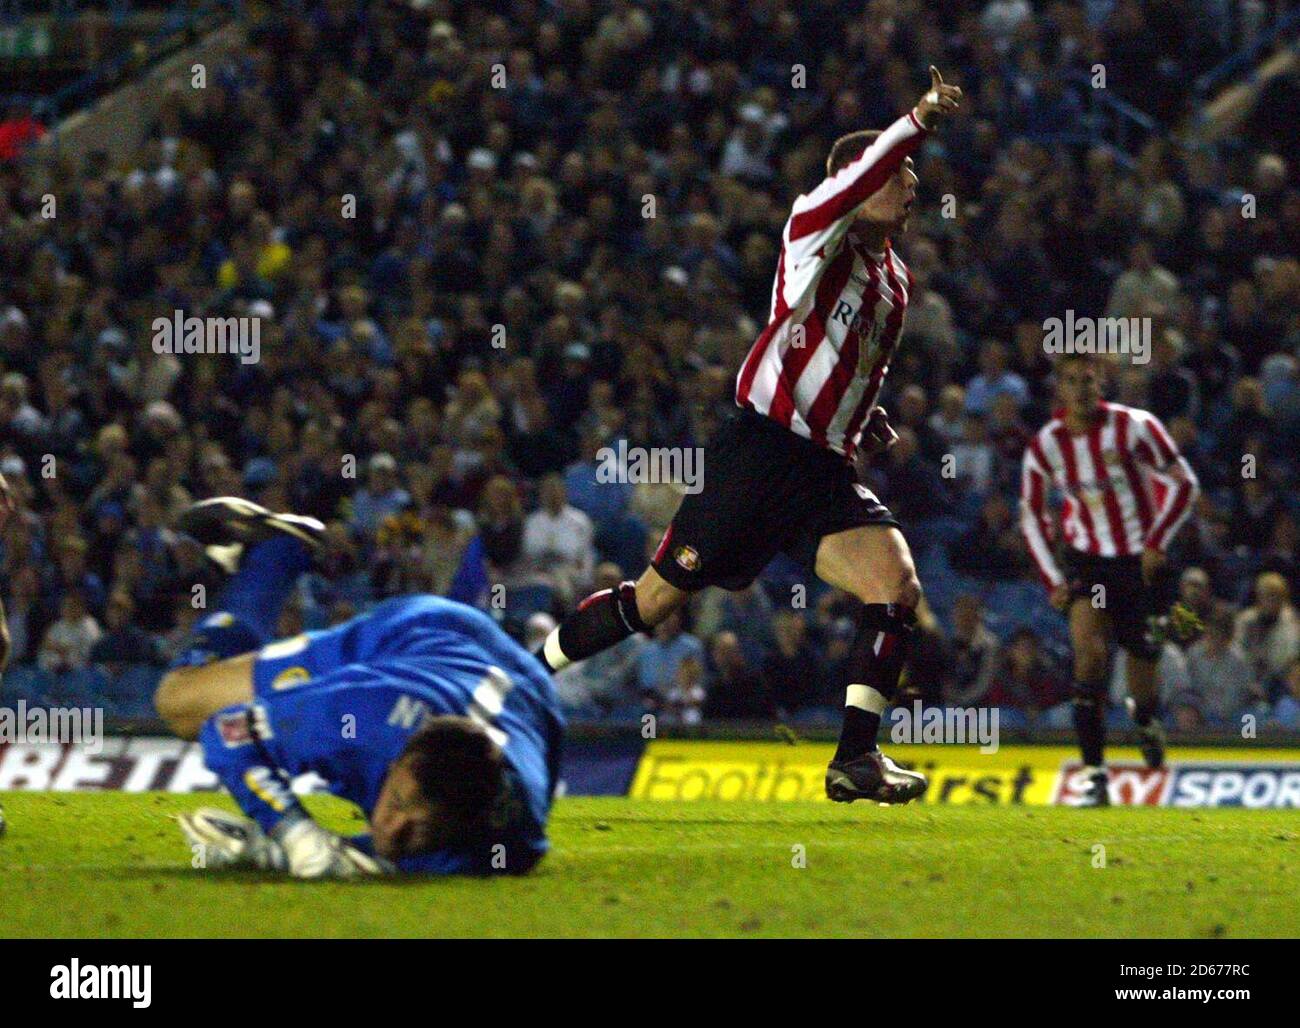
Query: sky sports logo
(1188, 784)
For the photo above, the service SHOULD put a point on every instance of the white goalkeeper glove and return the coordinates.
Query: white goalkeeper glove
(313, 852)
(221, 840)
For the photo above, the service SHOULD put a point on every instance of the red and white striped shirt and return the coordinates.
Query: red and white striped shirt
(837, 310)
(1124, 485)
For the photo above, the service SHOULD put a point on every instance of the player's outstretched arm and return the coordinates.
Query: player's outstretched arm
(234, 752)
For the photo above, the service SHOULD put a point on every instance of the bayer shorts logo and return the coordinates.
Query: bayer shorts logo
(688, 557)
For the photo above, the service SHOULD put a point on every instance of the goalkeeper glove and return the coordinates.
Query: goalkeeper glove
(226, 840)
(313, 852)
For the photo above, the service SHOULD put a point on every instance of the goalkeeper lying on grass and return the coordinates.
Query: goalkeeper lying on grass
(425, 714)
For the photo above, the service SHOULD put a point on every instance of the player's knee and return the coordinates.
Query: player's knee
(909, 589)
(903, 587)
(170, 702)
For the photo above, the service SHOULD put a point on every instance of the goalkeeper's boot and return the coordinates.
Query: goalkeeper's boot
(1151, 738)
(1097, 794)
(873, 776)
(226, 526)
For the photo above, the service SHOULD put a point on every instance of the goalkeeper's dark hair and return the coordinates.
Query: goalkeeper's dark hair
(848, 148)
(458, 768)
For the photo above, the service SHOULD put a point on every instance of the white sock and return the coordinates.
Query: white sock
(555, 657)
(866, 698)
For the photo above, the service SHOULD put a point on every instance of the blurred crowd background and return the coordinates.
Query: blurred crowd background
(485, 241)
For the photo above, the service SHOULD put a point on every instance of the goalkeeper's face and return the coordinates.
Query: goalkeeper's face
(440, 793)
(404, 821)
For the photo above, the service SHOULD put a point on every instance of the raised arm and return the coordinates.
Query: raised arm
(823, 215)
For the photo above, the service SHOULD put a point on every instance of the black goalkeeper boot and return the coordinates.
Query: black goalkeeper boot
(226, 526)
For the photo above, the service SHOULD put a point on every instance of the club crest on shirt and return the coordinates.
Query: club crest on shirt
(290, 677)
(688, 557)
(235, 729)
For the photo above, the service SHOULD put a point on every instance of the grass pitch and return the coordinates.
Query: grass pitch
(115, 865)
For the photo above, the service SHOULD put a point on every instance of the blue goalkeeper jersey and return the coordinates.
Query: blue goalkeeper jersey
(343, 702)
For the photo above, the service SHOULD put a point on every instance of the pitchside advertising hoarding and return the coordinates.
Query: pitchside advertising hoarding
(686, 770)
(1030, 775)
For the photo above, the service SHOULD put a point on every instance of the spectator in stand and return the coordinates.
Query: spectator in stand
(994, 379)
(123, 643)
(1026, 678)
(915, 488)
(1219, 678)
(1194, 592)
(661, 658)
(382, 496)
(684, 702)
(69, 640)
(974, 458)
(974, 654)
(949, 420)
(993, 547)
(736, 690)
(22, 614)
(747, 612)
(558, 542)
(1268, 633)
(71, 573)
(18, 131)
(1286, 712)
(1144, 283)
(501, 524)
(790, 669)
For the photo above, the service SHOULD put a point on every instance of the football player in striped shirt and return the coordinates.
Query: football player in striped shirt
(1125, 490)
(780, 475)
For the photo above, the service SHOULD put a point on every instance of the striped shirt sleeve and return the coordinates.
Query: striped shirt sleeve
(1034, 522)
(1157, 450)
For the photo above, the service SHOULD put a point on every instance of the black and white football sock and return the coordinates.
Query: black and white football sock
(875, 662)
(601, 620)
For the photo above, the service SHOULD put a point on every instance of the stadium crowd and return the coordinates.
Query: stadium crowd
(487, 242)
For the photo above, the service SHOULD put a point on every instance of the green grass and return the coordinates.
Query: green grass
(113, 864)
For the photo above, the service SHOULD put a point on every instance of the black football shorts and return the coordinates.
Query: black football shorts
(765, 491)
(1129, 602)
